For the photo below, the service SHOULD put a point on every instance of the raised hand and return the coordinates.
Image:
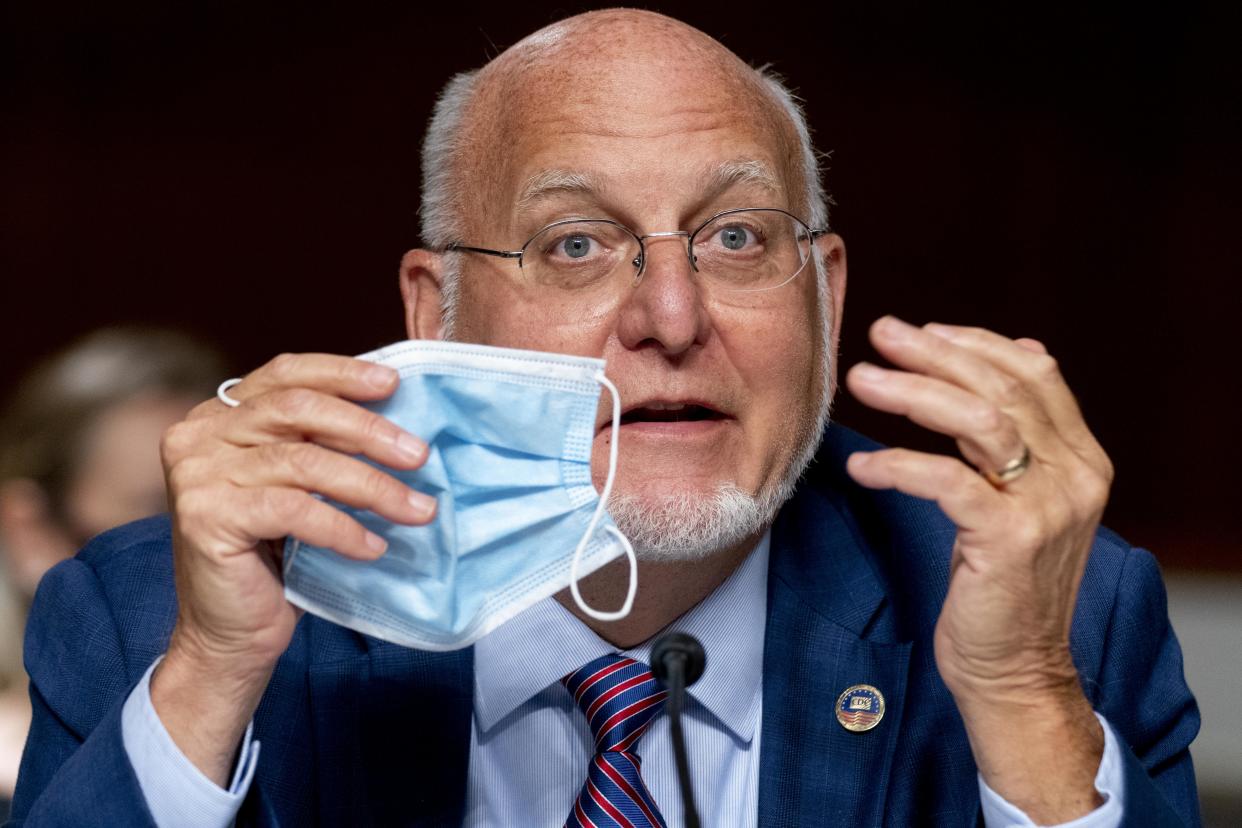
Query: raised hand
(241, 479)
(1027, 500)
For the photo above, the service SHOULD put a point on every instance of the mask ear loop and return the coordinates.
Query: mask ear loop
(599, 511)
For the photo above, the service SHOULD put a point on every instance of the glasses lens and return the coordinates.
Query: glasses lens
(578, 255)
(750, 250)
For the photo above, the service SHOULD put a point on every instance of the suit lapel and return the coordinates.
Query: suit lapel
(392, 731)
(828, 629)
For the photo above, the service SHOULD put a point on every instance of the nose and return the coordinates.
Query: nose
(665, 309)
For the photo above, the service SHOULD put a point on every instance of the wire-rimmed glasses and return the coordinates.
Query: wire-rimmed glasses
(744, 251)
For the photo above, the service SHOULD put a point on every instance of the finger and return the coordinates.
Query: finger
(344, 479)
(207, 408)
(963, 495)
(926, 353)
(354, 379)
(293, 513)
(302, 414)
(253, 516)
(986, 435)
(1029, 360)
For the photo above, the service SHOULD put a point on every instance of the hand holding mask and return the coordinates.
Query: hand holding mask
(509, 435)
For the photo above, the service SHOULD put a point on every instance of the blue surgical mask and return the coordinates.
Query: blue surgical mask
(518, 519)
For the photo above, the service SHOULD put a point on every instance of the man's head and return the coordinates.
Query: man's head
(79, 452)
(637, 118)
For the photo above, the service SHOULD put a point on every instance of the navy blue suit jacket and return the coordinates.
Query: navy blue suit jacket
(357, 731)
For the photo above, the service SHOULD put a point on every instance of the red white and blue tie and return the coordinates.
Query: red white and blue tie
(619, 697)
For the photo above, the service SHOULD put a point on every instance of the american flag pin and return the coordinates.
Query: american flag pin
(860, 708)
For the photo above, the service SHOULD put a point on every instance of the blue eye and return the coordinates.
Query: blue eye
(576, 247)
(734, 238)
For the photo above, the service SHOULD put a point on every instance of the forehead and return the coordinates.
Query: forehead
(646, 127)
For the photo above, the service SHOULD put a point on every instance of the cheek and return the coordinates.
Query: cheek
(777, 351)
(506, 316)
(791, 383)
(781, 355)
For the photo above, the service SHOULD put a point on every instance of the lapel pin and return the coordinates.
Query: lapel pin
(860, 708)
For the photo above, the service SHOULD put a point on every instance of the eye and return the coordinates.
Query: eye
(580, 249)
(576, 246)
(573, 244)
(734, 238)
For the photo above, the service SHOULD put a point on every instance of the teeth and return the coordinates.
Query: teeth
(656, 406)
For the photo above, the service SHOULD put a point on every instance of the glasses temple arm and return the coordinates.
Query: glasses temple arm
(502, 254)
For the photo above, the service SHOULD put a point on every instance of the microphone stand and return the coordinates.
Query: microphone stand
(677, 660)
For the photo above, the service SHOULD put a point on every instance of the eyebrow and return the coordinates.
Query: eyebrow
(547, 183)
(717, 177)
(721, 177)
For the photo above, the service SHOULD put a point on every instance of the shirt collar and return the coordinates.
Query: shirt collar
(522, 657)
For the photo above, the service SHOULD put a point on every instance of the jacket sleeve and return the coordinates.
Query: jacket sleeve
(1142, 691)
(74, 769)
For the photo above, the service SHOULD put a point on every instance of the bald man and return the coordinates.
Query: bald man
(893, 637)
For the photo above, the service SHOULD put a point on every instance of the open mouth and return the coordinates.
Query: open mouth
(656, 412)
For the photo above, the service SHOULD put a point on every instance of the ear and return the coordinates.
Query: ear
(421, 290)
(832, 247)
(30, 539)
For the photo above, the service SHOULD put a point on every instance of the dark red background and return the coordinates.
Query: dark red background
(1065, 173)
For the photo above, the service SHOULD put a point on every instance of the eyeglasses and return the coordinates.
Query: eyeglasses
(735, 252)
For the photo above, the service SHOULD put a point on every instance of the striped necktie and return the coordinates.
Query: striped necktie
(619, 697)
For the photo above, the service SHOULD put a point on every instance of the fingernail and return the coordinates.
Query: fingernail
(376, 543)
(894, 328)
(422, 504)
(942, 331)
(868, 373)
(380, 376)
(410, 447)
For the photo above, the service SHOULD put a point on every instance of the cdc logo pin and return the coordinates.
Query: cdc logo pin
(860, 708)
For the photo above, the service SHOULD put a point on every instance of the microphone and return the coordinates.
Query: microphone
(677, 660)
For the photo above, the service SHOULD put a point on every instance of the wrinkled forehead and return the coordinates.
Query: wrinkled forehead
(608, 113)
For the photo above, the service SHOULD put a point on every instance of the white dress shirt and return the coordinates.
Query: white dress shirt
(530, 745)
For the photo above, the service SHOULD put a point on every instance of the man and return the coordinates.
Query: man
(610, 121)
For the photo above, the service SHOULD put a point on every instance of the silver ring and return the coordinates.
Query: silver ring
(1012, 470)
(222, 392)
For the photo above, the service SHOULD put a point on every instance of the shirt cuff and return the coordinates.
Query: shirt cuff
(177, 793)
(1109, 782)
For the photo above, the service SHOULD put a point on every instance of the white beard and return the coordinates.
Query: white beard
(690, 526)
(687, 526)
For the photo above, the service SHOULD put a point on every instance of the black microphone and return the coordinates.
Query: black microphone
(677, 660)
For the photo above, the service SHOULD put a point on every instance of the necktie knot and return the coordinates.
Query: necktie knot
(619, 697)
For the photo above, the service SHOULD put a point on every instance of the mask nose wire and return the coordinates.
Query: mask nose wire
(599, 615)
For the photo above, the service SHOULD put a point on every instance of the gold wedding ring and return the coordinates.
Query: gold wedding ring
(1012, 470)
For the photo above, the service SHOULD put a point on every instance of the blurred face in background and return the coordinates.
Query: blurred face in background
(79, 442)
(116, 478)
(120, 478)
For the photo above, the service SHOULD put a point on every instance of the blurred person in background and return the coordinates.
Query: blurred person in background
(79, 453)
